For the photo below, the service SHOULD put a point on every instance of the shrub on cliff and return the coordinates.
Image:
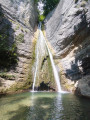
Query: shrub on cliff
(49, 5)
(8, 49)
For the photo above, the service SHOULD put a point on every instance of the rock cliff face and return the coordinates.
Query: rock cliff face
(68, 31)
(17, 25)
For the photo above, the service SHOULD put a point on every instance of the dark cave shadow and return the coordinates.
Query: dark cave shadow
(44, 87)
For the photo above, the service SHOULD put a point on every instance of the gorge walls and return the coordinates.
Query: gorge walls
(68, 32)
(18, 19)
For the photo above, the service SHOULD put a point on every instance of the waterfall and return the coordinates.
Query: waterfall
(41, 41)
(37, 59)
(40, 52)
(56, 76)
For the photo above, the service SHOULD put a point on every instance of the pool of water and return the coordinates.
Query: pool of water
(44, 106)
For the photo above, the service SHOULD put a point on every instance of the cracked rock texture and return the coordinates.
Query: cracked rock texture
(68, 31)
(21, 18)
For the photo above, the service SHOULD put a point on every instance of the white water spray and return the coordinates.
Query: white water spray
(36, 68)
(33, 89)
(40, 52)
(56, 76)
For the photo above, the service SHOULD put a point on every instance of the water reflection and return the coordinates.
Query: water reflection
(41, 106)
(73, 109)
(57, 106)
(44, 106)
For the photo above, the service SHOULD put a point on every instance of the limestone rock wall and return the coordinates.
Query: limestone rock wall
(68, 31)
(24, 11)
(18, 21)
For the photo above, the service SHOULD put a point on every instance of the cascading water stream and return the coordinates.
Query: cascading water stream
(56, 76)
(36, 66)
(33, 88)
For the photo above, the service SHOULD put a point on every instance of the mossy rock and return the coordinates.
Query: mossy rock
(20, 38)
(7, 76)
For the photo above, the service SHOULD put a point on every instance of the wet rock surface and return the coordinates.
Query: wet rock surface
(42, 69)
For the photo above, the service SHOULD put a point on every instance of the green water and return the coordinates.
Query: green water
(44, 106)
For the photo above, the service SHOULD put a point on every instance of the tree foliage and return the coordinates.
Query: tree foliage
(36, 1)
(49, 5)
(8, 48)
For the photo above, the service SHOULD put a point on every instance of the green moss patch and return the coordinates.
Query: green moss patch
(41, 18)
(7, 76)
(20, 38)
(8, 57)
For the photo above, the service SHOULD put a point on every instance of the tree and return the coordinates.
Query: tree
(49, 5)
